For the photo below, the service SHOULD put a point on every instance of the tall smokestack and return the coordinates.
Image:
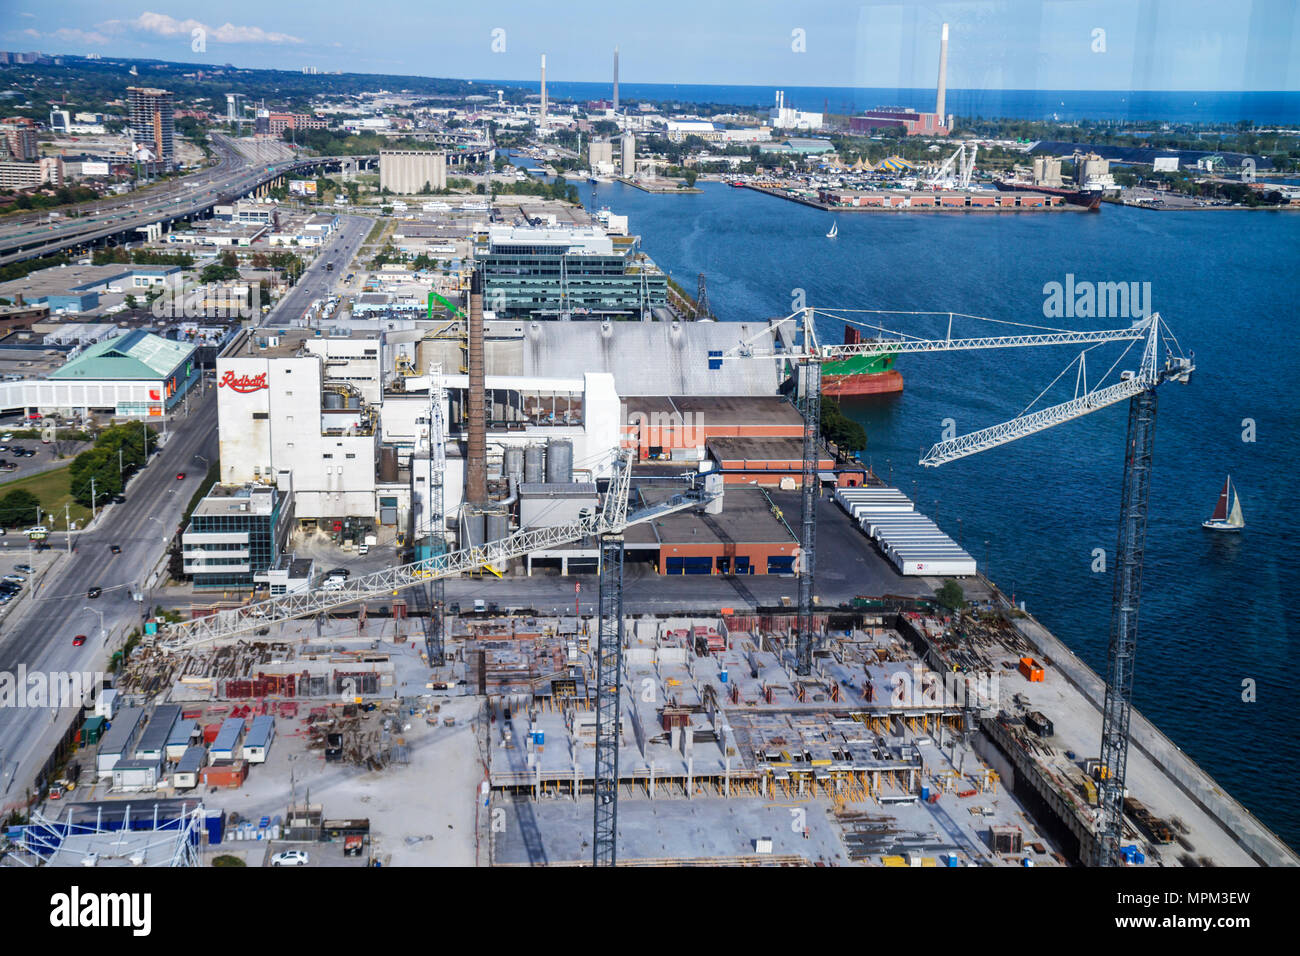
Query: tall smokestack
(615, 79)
(941, 95)
(543, 114)
(476, 459)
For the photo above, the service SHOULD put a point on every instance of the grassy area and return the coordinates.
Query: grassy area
(377, 233)
(51, 487)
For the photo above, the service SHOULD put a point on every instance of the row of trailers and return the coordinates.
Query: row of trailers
(911, 541)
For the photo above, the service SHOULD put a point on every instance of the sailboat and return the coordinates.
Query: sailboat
(835, 230)
(1225, 518)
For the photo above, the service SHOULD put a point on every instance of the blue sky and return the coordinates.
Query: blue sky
(998, 44)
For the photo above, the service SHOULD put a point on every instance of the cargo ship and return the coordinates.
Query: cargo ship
(1088, 198)
(861, 374)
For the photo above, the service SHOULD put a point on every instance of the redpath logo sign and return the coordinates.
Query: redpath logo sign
(243, 383)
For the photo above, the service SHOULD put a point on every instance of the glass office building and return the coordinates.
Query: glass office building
(235, 535)
(580, 272)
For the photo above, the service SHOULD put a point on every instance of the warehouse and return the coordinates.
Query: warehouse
(766, 461)
(747, 536)
(134, 375)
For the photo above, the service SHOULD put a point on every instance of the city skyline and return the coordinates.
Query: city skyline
(1155, 45)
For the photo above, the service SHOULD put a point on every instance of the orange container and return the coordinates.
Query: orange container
(1031, 669)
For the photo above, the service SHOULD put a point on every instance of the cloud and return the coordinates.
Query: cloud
(163, 25)
(68, 35)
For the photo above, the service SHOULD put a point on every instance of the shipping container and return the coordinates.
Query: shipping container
(119, 741)
(224, 773)
(1031, 670)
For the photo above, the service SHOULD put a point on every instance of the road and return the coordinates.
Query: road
(231, 177)
(39, 636)
(316, 282)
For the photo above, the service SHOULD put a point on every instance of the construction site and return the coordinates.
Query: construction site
(880, 729)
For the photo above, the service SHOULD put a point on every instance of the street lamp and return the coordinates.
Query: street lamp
(102, 632)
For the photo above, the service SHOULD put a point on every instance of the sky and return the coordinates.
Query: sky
(994, 44)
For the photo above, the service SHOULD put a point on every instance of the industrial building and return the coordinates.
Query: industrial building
(405, 172)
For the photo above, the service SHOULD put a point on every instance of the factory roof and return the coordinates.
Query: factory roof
(746, 518)
(720, 410)
(136, 355)
(645, 358)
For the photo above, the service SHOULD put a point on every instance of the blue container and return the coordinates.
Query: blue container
(950, 859)
(925, 793)
(722, 675)
(539, 738)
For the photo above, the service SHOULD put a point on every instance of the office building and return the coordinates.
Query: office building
(579, 272)
(236, 535)
(19, 138)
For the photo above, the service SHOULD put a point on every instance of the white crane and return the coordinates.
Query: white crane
(956, 170)
(809, 355)
(612, 518)
(1139, 387)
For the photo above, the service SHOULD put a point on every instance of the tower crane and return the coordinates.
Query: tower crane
(1140, 389)
(808, 356)
(437, 461)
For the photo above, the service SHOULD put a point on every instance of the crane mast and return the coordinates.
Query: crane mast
(609, 674)
(1130, 549)
(437, 517)
(811, 393)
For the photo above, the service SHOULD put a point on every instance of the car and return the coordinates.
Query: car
(25, 568)
(79, 640)
(115, 548)
(6, 437)
(15, 578)
(118, 499)
(290, 858)
(37, 529)
(338, 573)
(180, 476)
(94, 592)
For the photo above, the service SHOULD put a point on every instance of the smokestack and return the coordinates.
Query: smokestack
(476, 459)
(543, 114)
(615, 79)
(943, 75)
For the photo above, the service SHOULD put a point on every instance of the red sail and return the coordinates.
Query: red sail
(1221, 509)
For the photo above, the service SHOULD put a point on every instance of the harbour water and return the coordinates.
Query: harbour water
(1178, 106)
(1214, 619)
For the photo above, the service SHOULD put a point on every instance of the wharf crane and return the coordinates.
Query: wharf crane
(808, 356)
(956, 170)
(1140, 389)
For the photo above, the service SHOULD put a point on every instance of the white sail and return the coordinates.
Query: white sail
(835, 231)
(1235, 519)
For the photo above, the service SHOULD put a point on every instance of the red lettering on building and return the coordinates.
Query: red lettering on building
(243, 383)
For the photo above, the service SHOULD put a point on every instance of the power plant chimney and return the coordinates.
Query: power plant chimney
(543, 113)
(943, 76)
(476, 458)
(615, 79)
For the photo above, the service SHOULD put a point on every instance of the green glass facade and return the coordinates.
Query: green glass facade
(529, 280)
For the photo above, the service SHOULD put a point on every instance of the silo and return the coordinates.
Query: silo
(333, 399)
(513, 459)
(559, 461)
(534, 464)
(471, 528)
(497, 526)
(387, 463)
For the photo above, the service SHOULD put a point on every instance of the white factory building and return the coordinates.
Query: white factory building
(311, 414)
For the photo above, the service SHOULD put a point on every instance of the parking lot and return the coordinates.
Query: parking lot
(41, 457)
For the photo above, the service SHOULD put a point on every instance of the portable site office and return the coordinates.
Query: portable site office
(119, 741)
(258, 740)
(153, 741)
(229, 737)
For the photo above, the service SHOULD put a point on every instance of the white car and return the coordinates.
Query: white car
(290, 858)
(6, 437)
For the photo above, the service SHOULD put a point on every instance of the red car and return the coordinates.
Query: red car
(79, 640)
(180, 476)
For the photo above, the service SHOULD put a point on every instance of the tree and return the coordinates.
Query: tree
(229, 259)
(690, 177)
(950, 596)
(18, 508)
(98, 466)
(844, 432)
